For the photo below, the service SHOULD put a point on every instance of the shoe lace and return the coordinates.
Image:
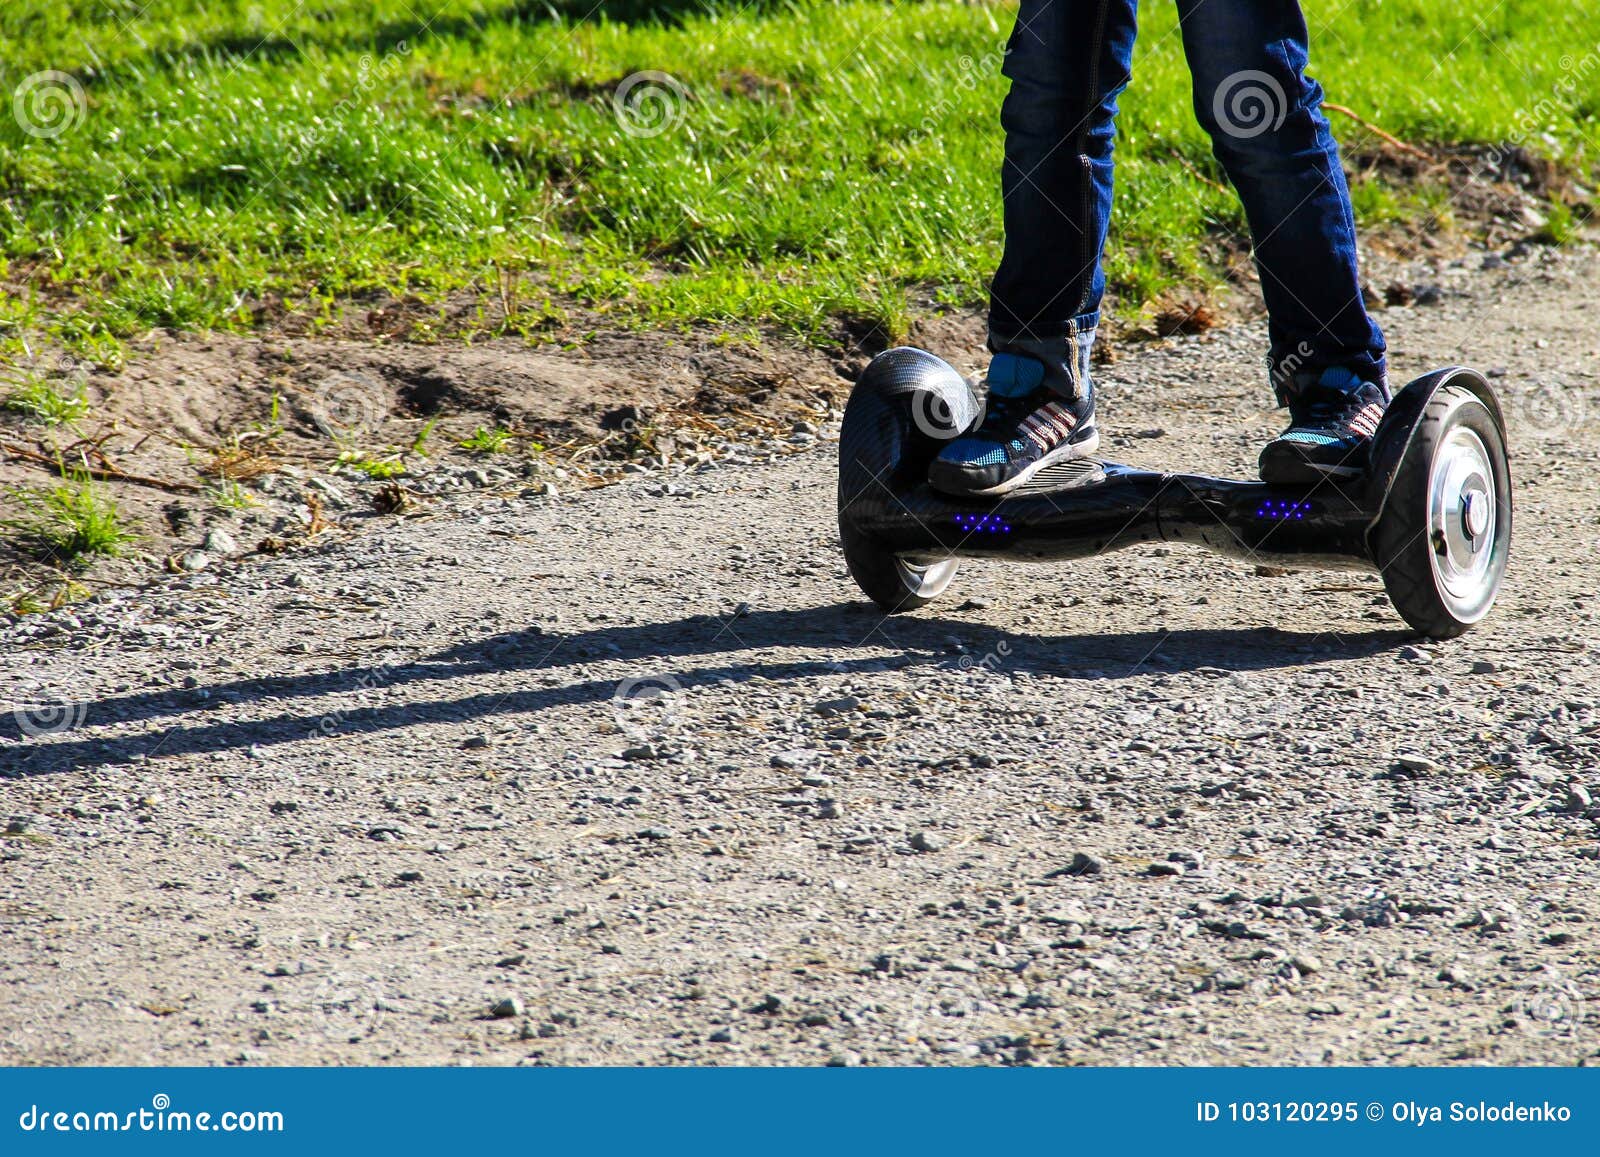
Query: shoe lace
(1003, 413)
(1327, 407)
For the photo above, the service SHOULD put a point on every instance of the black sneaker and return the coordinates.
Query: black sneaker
(1331, 423)
(1027, 426)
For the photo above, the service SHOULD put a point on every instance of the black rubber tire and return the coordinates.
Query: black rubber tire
(1401, 543)
(882, 577)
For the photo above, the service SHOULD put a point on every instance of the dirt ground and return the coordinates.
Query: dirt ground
(632, 775)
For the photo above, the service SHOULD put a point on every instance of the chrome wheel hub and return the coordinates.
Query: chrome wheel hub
(927, 581)
(1462, 524)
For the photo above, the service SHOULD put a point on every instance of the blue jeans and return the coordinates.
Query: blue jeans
(1068, 60)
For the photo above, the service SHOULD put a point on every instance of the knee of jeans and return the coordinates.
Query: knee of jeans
(1251, 110)
(1051, 107)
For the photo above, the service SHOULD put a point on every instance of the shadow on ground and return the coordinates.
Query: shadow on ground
(855, 634)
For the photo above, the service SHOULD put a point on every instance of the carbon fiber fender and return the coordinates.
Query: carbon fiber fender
(905, 406)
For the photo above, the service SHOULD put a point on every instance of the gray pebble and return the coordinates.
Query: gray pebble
(927, 842)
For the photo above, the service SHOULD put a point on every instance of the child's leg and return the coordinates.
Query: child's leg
(1248, 59)
(1067, 61)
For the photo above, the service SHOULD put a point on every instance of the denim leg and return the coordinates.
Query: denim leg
(1067, 61)
(1264, 115)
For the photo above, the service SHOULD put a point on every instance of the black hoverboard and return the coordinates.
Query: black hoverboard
(1432, 513)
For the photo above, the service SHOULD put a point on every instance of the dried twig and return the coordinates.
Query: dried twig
(103, 474)
(1386, 137)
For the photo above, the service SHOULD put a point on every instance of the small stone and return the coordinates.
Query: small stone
(1485, 667)
(769, 1003)
(219, 541)
(1559, 939)
(1083, 864)
(794, 758)
(1305, 964)
(828, 708)
(1578, 798)
(506, 1009)
(1163, 869)
(1420, 764)
(655, 834)
(829, 809)
(927, 842)
(511, 961)
(640, 752)
(410, 877)
(475, 742)
(844, 1060)
(1224, 980)
(195, 560)
(723, 1036)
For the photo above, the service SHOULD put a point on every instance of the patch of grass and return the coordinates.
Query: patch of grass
(230, 495)
(37, 398)
(1560, 226)
(419, 444)
(485, 441)
(68, 524)
(51, 595)
(388, 466)
(806, 161)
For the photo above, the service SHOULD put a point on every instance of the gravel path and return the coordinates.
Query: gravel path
(633, 776)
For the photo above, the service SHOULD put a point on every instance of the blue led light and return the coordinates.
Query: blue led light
(982, 524)
(1282, 510)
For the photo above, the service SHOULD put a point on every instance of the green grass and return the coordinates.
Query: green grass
(485, 441)
(34, 397)
(831, 158)
(380, 467)
(68, 524)
(226, 494)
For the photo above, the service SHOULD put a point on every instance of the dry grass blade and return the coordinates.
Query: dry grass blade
(239, 464)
